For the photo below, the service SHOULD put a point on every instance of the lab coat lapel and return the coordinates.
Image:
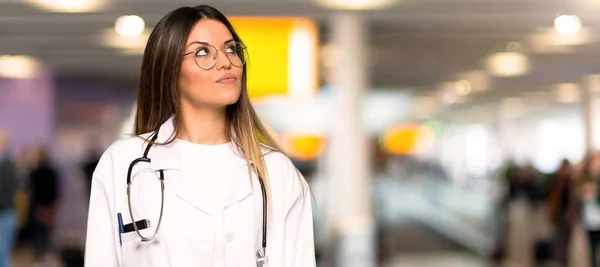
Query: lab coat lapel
(240, 186)
(165, 157)
(205, 198)
(169, 157)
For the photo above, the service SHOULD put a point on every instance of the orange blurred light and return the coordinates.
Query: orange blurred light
(404, 139)
(303, 146)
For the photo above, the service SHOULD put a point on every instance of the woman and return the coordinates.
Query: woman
(199, 132)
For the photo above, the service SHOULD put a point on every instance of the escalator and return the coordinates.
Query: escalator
(431, 216)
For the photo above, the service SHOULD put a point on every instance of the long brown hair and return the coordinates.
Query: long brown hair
(158, 94)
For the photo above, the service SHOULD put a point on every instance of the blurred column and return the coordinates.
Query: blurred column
(349, 181)
(505, 131)
(590, 90)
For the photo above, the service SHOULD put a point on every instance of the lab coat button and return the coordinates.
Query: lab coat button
(229, 237)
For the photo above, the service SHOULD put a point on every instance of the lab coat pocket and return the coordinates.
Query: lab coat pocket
(130, 236)
(148, 254)
(178, 243)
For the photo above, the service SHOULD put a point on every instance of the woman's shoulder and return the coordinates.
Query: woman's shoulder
(282, 168)
(273, 156)
(126, 145)
(288, 183)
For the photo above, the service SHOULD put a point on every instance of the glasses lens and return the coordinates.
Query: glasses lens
(205, 56)
(237, 53)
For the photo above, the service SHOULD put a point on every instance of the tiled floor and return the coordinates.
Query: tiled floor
(519, 252)
(524, 227)
(23, 257)
(451, 259)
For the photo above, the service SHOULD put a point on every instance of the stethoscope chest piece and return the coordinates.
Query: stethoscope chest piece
(261, 258)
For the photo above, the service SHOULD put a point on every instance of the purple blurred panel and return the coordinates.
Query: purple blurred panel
(27, 110)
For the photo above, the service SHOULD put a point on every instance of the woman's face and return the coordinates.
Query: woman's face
(218, 86)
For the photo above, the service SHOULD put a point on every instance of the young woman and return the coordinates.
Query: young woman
(195, 187)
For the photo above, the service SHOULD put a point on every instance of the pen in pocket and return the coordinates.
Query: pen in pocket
(121, 228)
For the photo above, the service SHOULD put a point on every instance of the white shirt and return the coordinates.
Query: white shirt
(208, 167)
(212, 208)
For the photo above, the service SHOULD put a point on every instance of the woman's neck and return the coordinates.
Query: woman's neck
(203, 126)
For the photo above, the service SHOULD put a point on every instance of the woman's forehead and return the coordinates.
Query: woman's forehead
(209, 31)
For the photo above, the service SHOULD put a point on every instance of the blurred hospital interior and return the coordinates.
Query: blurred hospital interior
(432, 132)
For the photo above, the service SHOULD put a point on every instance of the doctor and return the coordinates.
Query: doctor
(194, 187)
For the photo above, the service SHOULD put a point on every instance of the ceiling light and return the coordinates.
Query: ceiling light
(567, 24)
(568, 92)
(551, 41)
(592, 82)
(355, 4)
(447, 94)
(127, 44)
(70, 6)
(462, 88)
(516, 47)
(129, 25)
(508, 64)
(19, 67)
(478, 79)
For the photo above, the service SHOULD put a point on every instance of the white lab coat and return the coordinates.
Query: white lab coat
(195, 232)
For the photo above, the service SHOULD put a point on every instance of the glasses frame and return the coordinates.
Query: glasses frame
(216, 56)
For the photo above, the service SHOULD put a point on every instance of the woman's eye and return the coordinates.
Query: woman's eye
(202, 52)
(230, 49)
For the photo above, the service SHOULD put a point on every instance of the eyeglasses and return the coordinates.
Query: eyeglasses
(206, 55)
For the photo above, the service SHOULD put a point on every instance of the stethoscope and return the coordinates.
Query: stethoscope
(261, 257)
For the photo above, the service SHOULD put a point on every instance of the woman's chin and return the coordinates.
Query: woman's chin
(230, 97)
(226, 101)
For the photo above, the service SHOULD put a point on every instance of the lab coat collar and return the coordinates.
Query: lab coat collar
(169, 157)
(165, 157)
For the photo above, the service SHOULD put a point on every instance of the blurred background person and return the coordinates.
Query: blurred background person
(8, 188)
(590, 205)
(44, 193)
(89, 165)
(562, 202)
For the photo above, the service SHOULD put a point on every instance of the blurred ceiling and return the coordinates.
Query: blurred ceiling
(414, 44)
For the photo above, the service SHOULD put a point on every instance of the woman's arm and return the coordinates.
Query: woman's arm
(100, 247)
(299, 235)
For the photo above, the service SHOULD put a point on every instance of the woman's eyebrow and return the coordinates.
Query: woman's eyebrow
(205, 43)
